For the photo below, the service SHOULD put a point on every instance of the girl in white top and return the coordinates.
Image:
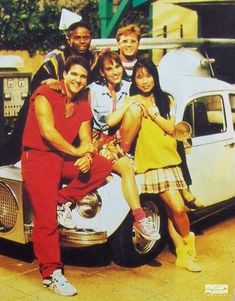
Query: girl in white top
(115, 126)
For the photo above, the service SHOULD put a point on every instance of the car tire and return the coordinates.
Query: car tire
(128, 248)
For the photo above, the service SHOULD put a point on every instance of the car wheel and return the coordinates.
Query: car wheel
(128, 247)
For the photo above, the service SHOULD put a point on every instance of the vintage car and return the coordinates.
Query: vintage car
(103, 217)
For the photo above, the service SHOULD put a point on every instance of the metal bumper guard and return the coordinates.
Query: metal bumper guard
(74, 238)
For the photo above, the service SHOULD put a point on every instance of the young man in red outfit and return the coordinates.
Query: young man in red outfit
(54, 120)
(50, 73)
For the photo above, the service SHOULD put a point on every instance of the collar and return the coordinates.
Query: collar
(105, 90)
(129, 65)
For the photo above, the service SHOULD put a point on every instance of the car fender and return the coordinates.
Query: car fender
(113, 210)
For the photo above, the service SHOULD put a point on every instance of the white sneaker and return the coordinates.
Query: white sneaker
(147, 229)
(64, 215)
(58, 284)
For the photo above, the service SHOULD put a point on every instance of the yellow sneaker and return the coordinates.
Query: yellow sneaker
(190, 245)
(188, 264)
(183, 260)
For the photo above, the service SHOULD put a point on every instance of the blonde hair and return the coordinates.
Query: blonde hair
(129, 29)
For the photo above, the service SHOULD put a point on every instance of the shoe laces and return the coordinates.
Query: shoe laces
(147, 224)
(64, 211)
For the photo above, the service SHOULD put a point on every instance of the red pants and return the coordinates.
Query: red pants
(42, 174)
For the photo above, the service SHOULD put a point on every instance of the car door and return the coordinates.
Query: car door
(211, 154)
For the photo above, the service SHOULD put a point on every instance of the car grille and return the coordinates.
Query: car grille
(8, 208)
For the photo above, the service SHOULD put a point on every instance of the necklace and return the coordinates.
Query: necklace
(69, 107)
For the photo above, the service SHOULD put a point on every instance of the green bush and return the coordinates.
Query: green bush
(33, 25)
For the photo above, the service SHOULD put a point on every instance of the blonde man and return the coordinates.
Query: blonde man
(128, 39)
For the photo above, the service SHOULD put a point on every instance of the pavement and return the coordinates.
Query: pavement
(156, 281)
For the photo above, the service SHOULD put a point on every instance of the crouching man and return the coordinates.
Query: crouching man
(54, 120)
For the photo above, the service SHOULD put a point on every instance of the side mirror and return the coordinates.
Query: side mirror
(183, 131)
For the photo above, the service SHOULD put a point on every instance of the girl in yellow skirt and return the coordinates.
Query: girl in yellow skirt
(157, 160)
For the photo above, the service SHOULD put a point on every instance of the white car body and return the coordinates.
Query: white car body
(210, 158)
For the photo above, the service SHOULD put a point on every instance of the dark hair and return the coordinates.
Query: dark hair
(73, 26)
(76, 60)
(109, 56)
(162, 101)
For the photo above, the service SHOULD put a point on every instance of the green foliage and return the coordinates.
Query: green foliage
(25, 25)
(33, 25)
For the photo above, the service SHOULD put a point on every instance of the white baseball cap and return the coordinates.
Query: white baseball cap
(68, 18)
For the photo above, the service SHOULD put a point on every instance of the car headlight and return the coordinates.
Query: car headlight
(90, 205)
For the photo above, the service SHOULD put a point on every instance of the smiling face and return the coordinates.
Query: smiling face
(112, 72)
(75, 80)
(128, 47)
(80, 40)
(144, 80)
